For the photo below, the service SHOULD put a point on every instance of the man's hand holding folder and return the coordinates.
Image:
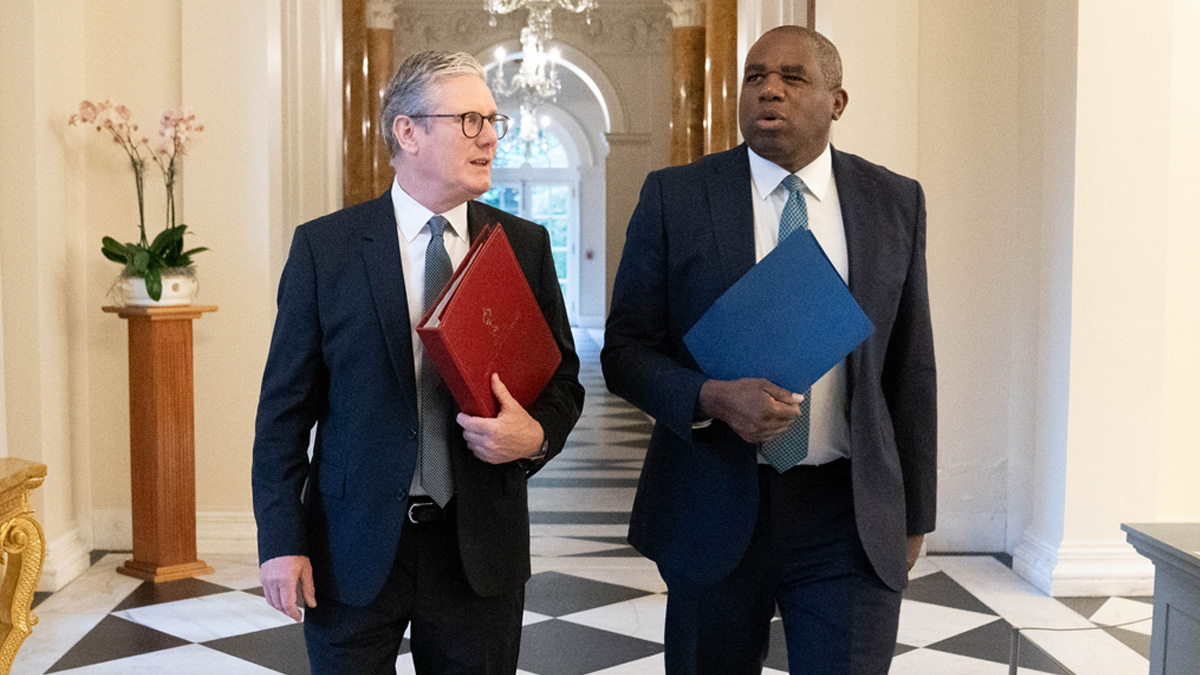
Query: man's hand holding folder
(508, 436)
(754, 408)
(772, 334)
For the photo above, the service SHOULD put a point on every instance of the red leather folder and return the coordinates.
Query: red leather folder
(486, 321)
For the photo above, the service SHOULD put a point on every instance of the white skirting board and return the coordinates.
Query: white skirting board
(67, 556)
(226, 532)
(1090, 568)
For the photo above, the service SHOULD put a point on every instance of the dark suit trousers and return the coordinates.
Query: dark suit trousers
(804, 557)
(454, 631)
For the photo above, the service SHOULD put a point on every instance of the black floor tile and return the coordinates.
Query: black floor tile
(39, 597)
(1085, 607)
(281, 649)
(1136, 641)
(115, 638)
(1148, 599)
(169, 591)
(564, 648)
(557, 594)
(992, 642)
(255, 591)
(901, 649)
(940, 589)
(579, 518)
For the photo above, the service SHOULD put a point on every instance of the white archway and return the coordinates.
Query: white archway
(582, 66)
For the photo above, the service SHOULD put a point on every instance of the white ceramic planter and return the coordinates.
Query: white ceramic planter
(176, 290)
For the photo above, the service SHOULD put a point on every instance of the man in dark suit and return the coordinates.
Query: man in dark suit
(751, 496)
(401, 516)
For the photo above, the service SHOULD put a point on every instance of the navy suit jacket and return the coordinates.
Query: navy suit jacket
(690, 238)
(342, 357)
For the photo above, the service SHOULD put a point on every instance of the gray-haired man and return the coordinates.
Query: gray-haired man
(414, 514)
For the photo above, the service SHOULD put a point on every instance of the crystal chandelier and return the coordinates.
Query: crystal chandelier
(537, 79)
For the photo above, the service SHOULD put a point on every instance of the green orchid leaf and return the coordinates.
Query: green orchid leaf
(115, 257)
(189, 253)
(141, 262)
(154, 285)
(167, 238)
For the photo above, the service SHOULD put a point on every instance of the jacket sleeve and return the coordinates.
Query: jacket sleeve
(638, 359)
(559, 405)
(294, 391)
(910, 387)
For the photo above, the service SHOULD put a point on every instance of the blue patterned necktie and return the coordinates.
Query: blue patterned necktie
(789, 448)
(433, 444)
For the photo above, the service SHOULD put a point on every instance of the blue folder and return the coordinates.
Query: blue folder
(789, 320)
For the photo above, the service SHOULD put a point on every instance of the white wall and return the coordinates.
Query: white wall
(1055, 141)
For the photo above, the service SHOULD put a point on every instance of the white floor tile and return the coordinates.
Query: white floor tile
(232, 570)
(923, 567)
(1122, 610)
(97, 590)
(1085, 652)
(208, 617)
(642, 618)
(53, 636)
(559, 546)
(581, 499)
(923, 624)
(186, 660)
(931, 662)
(642, 577)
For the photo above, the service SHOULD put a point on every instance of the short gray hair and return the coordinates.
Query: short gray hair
(409, 91)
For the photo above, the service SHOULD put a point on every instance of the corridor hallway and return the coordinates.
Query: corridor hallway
(594, 606)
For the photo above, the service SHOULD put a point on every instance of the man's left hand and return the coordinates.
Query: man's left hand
(914, 549)
(511, 435)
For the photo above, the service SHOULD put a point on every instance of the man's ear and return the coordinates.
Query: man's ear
(840, 100)
(406, 131)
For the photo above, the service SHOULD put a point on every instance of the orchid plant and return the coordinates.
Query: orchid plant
(147, 259)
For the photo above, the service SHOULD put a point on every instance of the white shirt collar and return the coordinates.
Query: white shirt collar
(767, 175)
(412, 217)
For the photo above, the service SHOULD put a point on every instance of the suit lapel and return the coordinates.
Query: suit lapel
(862, 246)
(727, 177)
(381, 254)
(475, 221)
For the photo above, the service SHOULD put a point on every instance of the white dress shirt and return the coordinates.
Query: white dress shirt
(412, 224)
(829, 425)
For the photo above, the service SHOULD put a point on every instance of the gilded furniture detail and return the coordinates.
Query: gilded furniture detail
(24, 552)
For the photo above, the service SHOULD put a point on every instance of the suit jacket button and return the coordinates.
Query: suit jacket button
(412, 433)
(403, 496)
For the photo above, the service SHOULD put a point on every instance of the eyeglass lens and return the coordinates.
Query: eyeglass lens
(472, 124)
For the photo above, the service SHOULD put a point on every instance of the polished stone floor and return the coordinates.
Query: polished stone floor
(594, 606)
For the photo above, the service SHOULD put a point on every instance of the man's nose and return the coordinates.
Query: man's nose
(772, 87)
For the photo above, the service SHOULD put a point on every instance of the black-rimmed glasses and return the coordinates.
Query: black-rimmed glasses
(472, 122)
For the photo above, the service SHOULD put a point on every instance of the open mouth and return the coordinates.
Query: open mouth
(481, 162)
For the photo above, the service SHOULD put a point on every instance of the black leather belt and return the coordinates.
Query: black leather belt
(425, 511)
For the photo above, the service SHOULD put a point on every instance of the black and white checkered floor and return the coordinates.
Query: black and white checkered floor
(593, 605)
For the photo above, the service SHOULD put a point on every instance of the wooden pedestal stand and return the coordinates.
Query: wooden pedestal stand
(162, 442)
